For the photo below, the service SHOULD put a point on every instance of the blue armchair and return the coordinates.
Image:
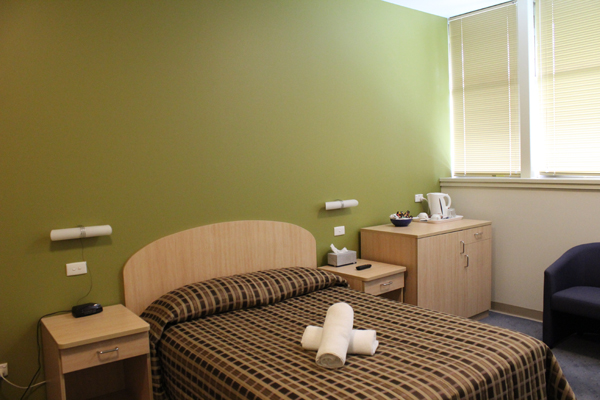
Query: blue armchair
(572, 294)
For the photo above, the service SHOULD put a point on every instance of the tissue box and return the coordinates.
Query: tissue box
(338, 260)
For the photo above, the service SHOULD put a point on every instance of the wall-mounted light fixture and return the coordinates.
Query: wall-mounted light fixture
(335, 205)
(80, 232)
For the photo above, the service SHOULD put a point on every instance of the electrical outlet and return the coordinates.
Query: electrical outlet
(419, 198)
(77, 268)
(4, 369)
(339, 231)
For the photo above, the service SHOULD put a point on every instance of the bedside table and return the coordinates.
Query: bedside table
(381, 278)
(105, 355)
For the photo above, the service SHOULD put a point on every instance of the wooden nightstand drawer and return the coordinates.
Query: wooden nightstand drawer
(383, 285)
(104, 352)
(379, 279)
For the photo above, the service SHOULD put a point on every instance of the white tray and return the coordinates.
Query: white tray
(439, 221)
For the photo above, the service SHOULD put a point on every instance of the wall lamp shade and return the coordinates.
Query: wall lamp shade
(335, 205)
(80, 232)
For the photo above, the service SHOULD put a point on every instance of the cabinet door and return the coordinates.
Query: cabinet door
(440, 272)
(476, 270)
(476, 280)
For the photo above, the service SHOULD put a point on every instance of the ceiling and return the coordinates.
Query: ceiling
(446, 8)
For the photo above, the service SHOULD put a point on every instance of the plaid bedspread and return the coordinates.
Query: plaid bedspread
(239, 338)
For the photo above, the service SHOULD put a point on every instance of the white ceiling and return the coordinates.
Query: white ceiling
(446, 8)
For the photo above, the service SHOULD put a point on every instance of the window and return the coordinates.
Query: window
(485, 92)
(561, 98)
(569, 85)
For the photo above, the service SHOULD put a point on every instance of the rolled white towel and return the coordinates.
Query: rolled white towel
(362, 341)
(335, 338)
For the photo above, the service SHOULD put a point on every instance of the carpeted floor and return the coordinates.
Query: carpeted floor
(579, 355)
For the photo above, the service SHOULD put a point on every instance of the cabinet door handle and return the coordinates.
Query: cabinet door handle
(463, 247)
(466, 255)
(108, 351)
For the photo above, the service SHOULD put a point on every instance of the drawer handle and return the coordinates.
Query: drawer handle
(108, 351)
(478, 235)
(383, 286)
(463, 247)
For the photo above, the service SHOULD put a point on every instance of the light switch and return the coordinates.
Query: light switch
(77, 268)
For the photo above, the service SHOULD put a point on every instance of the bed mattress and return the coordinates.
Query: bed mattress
(249, 349)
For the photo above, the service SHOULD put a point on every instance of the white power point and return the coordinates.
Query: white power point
(4, 369)
(419, 198)
(339, 231)
(77, 268)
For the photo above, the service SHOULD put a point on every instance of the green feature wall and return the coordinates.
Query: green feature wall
(159, 116)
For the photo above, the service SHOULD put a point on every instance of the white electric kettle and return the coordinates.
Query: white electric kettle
(438, 204)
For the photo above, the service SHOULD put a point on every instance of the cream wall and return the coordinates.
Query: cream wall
(531, 229)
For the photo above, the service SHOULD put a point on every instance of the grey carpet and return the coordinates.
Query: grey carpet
(578, 356)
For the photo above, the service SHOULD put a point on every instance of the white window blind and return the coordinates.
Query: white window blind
(568, 40)
(485, 92)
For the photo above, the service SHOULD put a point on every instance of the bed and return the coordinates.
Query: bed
(228, 303)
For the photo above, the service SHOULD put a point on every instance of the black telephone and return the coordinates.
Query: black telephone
(84, 310)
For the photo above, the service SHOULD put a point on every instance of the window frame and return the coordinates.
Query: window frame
(527, 92)
(494, 84)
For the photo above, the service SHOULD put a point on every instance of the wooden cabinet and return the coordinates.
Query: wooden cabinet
(448, 265)
(106, 355)
(380, 279)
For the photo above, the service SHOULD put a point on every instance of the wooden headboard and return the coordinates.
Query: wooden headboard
(213, 251)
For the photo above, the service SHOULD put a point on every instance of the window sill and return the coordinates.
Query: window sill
(523, 183)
